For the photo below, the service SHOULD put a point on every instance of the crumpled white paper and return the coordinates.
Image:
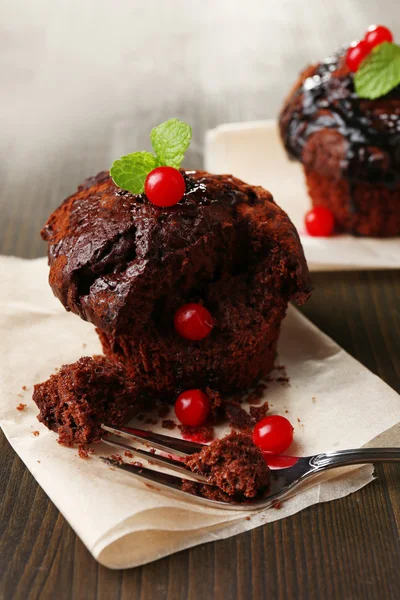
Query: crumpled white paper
(340, 404)
(253, 152)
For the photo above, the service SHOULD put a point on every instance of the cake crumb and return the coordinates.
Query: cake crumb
(152, 450)
(247, 518)
(21, 406)
(202, 435)
(162, 409)
(24, 388)
(151, 421)
(314, 399)
(215, 402)
(35, 433)
(117, 458)
(286, 411)
(259, 412)
(137, 463)
(257, 394)
(38, 461)
(19, 395)
(277, 505)
(83, 452)
(237, 416)
(128, 453)
(84, 345)
(298, 420)
(168, 424)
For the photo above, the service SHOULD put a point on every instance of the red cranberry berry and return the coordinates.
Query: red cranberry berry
(377, 34)
(273, 434)
(319, 222)
(164, 186)
(193, 321)
(356, 54)
(192, 408)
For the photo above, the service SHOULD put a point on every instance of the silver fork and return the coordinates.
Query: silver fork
(287, 472)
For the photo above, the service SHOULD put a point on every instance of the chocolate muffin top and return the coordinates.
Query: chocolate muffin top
(331, 130)
(114, 256)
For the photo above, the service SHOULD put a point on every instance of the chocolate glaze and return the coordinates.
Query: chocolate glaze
(325, 125)
(117, 260)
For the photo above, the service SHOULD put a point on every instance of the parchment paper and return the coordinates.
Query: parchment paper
(253, 152)
(340, 404)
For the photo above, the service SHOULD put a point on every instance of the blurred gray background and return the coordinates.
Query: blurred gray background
(83, 81)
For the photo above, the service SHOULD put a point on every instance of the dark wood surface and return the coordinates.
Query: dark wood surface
(221, 61)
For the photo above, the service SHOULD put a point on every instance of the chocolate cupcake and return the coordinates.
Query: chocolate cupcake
(349, 145)
(128, 267)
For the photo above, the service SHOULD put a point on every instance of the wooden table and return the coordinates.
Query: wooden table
(82, 83)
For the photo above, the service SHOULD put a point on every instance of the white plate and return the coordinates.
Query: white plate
(253, 152)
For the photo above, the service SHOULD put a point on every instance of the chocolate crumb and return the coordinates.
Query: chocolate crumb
(152, 450)
(35, 433)
(202, 435)
(21, 406)
(137, 463)
(38, 461)
(168, 424)
(215, 402)
(150, 421)
(259, 412)
(128, 453)
(24, 388)
(237, 416)
(162, 409)
(257, 394)
(298, 420)
(277, 505)
(117, 458)
(83, 452)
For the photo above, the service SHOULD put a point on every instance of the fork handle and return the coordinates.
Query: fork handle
(343, 458)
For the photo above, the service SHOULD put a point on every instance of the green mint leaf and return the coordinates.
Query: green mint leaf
(379, 73)
(170, 140)
(129, 172)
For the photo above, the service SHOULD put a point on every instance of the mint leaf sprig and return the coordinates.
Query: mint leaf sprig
(170, 140)
(379, 73)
